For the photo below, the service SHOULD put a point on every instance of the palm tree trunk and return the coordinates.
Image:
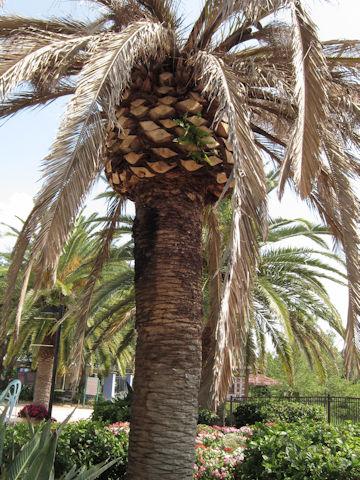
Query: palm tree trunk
(168, 268)
(44, 372)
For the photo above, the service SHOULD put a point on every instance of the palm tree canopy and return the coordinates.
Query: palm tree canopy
(274, 89)
(108, 339)
(288, 296)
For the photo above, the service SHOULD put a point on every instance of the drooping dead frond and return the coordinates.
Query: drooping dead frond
(264, 35)
(342, 57)
(63, 193)
(248, 207)
(311, 78)
(100, 259)
(75, 159)
(254, 10)
(80, 140)
(162, 10)
(17, 258)
(44, 65)
(213, 249)
(35, 98)
(215, 13)
(347, 205)
(11, 25)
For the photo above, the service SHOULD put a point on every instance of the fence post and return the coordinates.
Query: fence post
(231, 409)
(328, 406)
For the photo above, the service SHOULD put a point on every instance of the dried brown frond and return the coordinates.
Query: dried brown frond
(75, 160)
(35, 98)
(79, 143)
(347, 205)
(249, 193)
(42, 59)
(212, 248)
(11, 26)
(121, 13)
(63, 192)
(21, 300)
(17, 258)
(247, 16)
(162, 10)
(310, 95)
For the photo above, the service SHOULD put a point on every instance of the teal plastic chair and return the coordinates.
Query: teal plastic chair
(9, 397)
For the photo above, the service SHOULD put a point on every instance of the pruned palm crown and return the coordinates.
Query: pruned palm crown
(147, 140)
(253, 87)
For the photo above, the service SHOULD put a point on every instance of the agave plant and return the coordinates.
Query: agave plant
(178, 122)
(36, 458)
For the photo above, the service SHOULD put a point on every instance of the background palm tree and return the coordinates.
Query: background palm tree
(288, 298)
(177, 123)
(107, 344)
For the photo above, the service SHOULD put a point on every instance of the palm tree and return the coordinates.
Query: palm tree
(288, 299)
(39, 324)
(104, 337)
(177, 122)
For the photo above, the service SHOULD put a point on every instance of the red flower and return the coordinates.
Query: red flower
(34, 411)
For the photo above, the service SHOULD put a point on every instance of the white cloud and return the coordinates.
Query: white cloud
(18, 204)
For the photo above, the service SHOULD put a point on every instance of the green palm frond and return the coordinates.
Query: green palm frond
(282, 228)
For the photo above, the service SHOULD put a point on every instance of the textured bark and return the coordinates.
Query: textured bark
(168, 262)
(44, 372)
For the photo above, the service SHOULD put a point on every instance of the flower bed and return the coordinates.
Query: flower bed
(33, 411)
(220, 451)
(316, 451)
(118, 427)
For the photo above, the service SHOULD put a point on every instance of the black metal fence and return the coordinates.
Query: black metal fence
(337, 409)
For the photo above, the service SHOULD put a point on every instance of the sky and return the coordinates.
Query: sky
(25, 139)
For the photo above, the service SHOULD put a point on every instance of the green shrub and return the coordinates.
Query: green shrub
(88, 443)
(316, 451)
(206, 417)
(118, 410)
(16, 436)
(248, 413)
(26, 393)
(84, 443)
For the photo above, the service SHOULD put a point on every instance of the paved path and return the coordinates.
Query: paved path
(59, 412)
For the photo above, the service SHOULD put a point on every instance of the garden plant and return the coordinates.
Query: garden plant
(307, 449)
(264, 89)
